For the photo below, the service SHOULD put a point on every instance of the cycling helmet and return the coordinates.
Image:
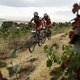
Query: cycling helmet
(45, 15)
(35, 13)
(75, 5)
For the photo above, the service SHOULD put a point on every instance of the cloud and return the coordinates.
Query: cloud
(38, 3)
(59, 10)
(26, 13)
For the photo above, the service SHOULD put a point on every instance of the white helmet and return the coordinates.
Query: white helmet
(45, 15)
(35, 13)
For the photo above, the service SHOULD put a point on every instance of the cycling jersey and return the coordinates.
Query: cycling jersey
(47, 21)
(76, 25)
(37, 20)
(76, 22)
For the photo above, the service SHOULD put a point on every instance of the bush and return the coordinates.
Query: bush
(69, 62)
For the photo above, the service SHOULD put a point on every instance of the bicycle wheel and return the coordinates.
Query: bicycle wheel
(49, 35)
(44, 37)
(40, 38)
(32, 44)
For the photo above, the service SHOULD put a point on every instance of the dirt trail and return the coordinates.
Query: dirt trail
(41, 71)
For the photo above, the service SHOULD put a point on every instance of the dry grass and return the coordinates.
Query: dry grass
(40, 72)
(4, 50)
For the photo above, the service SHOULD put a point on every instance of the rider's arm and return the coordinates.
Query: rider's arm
(73, 19)
(31, 20)
(43, 20)
(49, 19)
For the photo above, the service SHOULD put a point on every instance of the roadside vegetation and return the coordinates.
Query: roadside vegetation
(68, 62)
(14, 36)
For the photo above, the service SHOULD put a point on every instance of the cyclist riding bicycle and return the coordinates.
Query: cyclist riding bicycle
(75, 34)
(47, 21)
(76, 22)
(38, 22)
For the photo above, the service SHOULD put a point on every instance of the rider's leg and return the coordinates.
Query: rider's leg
(71, 33)
(74, 39)
(48, 25)
(49, 30)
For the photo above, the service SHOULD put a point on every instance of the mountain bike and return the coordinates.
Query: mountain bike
(46, 34)
(36, 38)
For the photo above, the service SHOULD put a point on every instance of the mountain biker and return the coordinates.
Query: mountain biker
(37, 20)
(75, 34)
(76, 22)
(47, 23)
(47, 20)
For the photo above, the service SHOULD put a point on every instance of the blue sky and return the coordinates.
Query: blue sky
(59, 10)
